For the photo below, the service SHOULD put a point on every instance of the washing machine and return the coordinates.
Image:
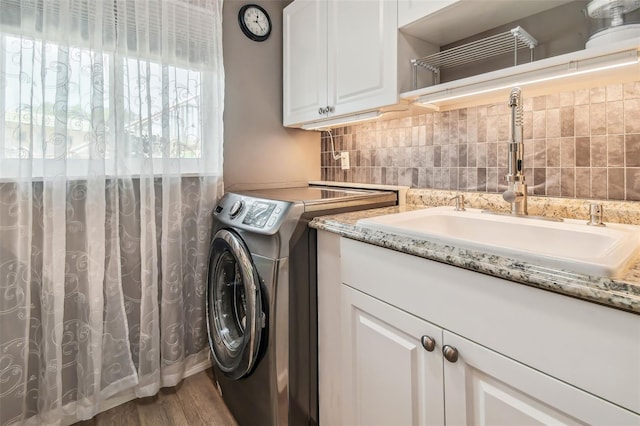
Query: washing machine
(262, 299)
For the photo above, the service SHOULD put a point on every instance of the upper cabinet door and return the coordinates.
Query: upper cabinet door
(304, 61)
(362, 55)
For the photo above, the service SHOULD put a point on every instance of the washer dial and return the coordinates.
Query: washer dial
(236, 208)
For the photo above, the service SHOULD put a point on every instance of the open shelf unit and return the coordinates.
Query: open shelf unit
(498, 44)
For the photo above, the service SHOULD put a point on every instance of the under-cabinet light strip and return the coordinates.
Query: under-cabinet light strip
(572, 68)
(355, 118)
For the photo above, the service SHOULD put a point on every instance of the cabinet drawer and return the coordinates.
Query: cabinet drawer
(592, 347)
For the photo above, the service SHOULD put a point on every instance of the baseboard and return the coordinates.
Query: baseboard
(195, 369)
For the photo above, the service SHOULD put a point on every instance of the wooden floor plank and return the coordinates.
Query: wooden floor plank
(206, 403)
(125, 415)
(171, 403)
(224, 417)
(152, 412)
(194, 402)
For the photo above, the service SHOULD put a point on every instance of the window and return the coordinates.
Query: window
(77, 104)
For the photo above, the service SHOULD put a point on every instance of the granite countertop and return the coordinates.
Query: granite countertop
(621, 293)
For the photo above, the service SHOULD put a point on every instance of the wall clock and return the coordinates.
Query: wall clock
(254, 22)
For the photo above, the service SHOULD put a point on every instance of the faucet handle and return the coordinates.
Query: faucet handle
(459, 202)
(512, 196)
(596, 213)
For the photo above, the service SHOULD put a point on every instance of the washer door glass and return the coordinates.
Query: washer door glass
(234, 305)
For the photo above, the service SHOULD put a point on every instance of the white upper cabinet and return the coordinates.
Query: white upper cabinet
(456, 78)
(410, 11)
(346, 57)
(304, 61)
(444, 21)
(339, 58)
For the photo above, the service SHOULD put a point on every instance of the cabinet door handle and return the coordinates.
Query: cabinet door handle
(320, 111)
(329, 109)
(450, 353)
(428, 343)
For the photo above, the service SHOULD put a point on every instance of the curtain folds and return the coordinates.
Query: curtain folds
(110, 164)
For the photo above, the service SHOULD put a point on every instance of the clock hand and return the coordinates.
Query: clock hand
(258, 22)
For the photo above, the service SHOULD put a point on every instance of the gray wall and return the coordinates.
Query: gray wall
(258, 150)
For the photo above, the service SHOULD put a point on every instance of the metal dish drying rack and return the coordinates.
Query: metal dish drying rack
(513, 40)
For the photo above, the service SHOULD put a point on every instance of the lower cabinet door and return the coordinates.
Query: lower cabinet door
(484, 387)
(390, 376)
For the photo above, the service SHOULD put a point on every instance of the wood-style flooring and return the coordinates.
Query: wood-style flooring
(195, 401)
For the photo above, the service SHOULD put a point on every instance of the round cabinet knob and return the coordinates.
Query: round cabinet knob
(428, 343)
(320, 111)
(450, 353)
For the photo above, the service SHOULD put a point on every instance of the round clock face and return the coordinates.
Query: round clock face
(254, 22)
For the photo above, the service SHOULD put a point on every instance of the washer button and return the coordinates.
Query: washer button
(271, 221)
(277, 210)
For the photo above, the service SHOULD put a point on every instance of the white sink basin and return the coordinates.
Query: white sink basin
(570, 245)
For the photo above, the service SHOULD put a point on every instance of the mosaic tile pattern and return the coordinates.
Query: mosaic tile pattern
(578, 144)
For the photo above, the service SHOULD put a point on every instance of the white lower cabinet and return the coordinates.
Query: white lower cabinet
(485, 388)
(402, 370)
(390, 378)
(423, 343)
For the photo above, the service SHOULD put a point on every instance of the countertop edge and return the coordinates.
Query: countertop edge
(614, 293)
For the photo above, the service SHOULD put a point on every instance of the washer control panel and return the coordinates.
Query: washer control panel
(251, 213)
(259, 213)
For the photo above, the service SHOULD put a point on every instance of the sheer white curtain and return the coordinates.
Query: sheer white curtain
(110, 164)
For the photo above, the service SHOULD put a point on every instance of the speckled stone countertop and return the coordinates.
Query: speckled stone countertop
(622, 293)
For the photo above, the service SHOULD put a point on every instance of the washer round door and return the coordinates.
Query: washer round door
(234, 305)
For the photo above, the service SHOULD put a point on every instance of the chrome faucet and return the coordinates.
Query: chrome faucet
(516, 192)
(459, 202)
